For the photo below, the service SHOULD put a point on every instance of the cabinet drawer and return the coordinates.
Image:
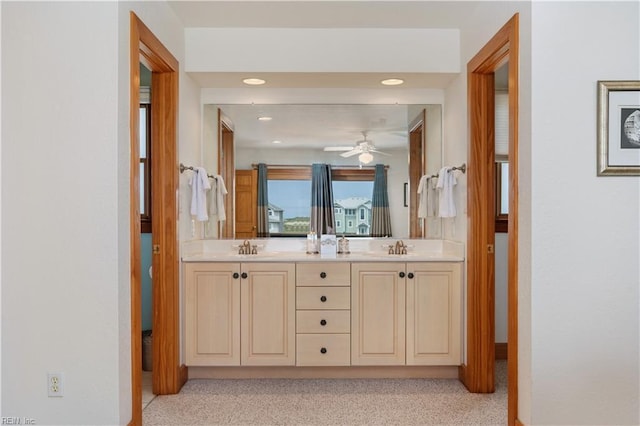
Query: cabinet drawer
(323, 298)
(323, 321)
(323, 274)
(323, 349)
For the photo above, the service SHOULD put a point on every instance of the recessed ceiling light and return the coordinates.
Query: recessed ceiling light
(254, 81)
(276, 141)
(392, 81)
(265, 118)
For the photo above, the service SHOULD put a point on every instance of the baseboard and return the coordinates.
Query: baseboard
(382, 372)
(462, 374)
(501, 351)
(183, 376)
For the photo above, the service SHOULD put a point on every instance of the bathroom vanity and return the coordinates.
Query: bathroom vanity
(285, 308)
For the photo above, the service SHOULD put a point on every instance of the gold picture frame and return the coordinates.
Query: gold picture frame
(618, 128)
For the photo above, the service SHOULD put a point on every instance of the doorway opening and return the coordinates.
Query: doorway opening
(168, 374)
(478, 373)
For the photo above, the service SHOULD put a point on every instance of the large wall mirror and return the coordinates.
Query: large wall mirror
(407, 139)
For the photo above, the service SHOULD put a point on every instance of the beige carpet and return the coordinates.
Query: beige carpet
(330, 402)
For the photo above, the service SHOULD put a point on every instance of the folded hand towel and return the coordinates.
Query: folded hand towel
(199, 183)
(446, 182)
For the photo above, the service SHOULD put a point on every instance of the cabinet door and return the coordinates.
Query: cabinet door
(433, 314)
(377, 314)
(268, 314)
(212, 314)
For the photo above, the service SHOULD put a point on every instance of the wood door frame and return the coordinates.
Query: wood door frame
(478, 374)
(227, 169)
(417, 132)
(168, 374)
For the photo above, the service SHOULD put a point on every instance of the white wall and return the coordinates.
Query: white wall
(61, 291)
(501, 304)
(65, 204)
(585, 229)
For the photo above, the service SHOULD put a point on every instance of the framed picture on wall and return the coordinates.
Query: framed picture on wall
(618, 128)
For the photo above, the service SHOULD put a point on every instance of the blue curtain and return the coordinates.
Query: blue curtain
(263, 202)
(322, 214)
(380, 216)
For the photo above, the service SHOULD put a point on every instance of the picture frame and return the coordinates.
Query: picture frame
(618, 128)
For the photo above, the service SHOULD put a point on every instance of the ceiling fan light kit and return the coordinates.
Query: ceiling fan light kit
(365, 158)
(363, 150)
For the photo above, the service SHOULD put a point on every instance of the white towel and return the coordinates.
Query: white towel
(423, 196)
(432, 200)
(217, 200)
(446, 182)
(427, 197)
(199, 183)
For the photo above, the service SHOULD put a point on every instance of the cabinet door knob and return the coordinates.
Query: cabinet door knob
(323, 322)
(323, 298)
(323, 275)
(323, 350)
(410, 275)
(236, 275)
(244, 275)
(401, 274)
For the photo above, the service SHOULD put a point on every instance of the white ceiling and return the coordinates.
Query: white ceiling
(318, 126)
(322, 125)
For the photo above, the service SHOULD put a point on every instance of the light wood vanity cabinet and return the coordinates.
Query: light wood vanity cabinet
(212, 313)
(239, 314)
(434, 311)
(414, 307)
(323, 313)
(377, 313)
(267, 308)
(323, 302)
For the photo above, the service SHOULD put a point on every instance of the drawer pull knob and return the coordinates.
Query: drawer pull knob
(323, 298)
(244, 275)
(410, 275)
(323, 350)
(323, 275)
(236, 275)
(323, 322)
(401, 274)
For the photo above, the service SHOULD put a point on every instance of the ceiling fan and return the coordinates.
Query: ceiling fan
(363, 147)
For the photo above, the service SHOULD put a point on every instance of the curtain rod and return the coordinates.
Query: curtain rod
(300, 166)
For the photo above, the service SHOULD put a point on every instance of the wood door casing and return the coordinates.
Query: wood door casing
(416, 170)
(227, 167)
(246, 203)
(478, 373)
(168, 374)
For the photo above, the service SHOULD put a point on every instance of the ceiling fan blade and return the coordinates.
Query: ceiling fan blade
(379, 152)
(338, 148)
(351, 153)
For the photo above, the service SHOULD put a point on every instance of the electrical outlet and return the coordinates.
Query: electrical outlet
(54, 384)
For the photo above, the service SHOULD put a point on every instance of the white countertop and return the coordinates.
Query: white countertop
(293, 250)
